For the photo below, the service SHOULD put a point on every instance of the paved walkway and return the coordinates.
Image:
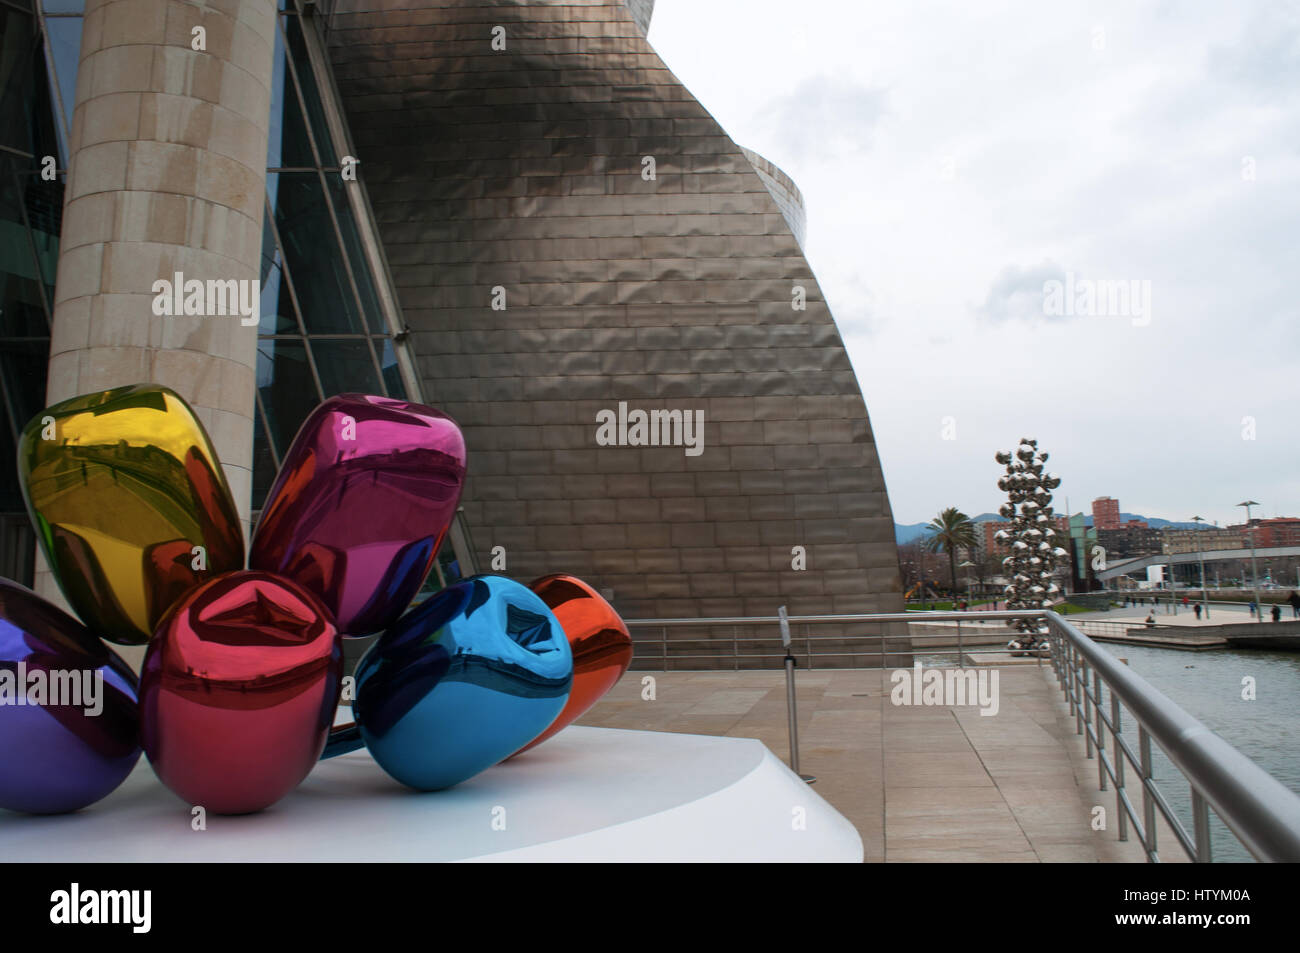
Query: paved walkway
(1186, 615)
(919, 783)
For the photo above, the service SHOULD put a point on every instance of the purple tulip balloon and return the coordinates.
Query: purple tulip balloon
(69, 732)
(361, 505)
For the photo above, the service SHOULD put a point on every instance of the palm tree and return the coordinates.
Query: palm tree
(949, 531)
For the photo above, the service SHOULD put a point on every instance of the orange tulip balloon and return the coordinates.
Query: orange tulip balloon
(601, 644)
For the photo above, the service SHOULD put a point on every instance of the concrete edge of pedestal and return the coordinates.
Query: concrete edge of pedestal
(769, 815)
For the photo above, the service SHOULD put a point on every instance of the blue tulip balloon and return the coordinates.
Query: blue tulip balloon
(461, 682)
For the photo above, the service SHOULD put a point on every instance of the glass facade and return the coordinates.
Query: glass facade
(326, 328)
(31, 208)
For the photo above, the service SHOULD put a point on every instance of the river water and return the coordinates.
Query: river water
(1209, 686)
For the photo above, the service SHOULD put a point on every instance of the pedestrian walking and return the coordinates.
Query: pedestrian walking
(1276, 612)
(1295, 604)
(1197, 609)
(1252, 608)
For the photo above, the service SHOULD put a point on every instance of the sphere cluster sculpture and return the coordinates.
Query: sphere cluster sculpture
(243, 669)
(1034, 552)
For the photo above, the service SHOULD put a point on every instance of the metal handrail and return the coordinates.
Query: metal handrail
(1261, 812)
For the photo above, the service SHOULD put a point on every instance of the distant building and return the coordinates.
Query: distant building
(1206, 540)
(1131, 539)
(1280, 531)
(988, 545)
(1105, 513)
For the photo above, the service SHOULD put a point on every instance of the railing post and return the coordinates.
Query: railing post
(1069, 681)
(790, 699)
(1101, 734)
(1087, 710)
(1119, 766)
(735, 650)
(1201, 827)
(1148, 801)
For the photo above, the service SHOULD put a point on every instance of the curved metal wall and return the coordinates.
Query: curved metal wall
(785, 193)
(523, 169)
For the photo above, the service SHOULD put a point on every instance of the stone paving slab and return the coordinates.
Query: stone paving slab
(921, 783)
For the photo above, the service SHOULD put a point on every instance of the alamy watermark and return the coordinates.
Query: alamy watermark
(70, 688)
(212, 298)
(133, 908)
(1103, 298)
(651, 428)
(949, 687)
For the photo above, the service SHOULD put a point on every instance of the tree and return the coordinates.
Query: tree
(949, 531)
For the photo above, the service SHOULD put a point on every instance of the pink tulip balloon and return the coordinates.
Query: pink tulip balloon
(361, 505)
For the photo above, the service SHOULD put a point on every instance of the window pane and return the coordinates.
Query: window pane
(22, 374)
(345, 366)
(63, 6)
(22, 311)
(392, 374)
(356, 257)
(65, 46)
(277, 307)
(263, 463)
(287, 143)
(288, 391)
(310, 95)
(313, 255)
(25, 116)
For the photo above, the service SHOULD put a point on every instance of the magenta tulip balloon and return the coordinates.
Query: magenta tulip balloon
(361, 505)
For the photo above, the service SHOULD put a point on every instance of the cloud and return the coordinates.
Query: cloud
(1017, 293)
(1266, 53)
(828, 115)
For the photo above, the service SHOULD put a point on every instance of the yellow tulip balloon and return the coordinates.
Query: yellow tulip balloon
(130, 505)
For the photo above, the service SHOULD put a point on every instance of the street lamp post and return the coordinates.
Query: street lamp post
(1254, 572)
(966, 564)
(1200, 555)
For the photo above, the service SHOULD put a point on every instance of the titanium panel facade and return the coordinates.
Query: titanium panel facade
(523, 170)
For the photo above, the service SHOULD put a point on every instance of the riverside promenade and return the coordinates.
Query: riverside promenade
(919, 783)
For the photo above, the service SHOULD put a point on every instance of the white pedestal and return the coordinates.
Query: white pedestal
(588, 794)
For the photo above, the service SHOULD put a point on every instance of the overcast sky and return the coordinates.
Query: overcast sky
(955, 156)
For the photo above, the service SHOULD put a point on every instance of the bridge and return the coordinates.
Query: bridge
(1124, 567)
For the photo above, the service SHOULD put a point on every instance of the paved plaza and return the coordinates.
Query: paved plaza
(919, 783)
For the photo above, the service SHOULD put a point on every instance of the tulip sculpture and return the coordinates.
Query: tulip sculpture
(1034, 552)
(243, 665)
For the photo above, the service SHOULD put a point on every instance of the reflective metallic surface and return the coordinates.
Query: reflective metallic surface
(122, 486)
(678, 291)
(361, 505)
(238, 691)
(601, 644)
(466, 678)
(60, 757)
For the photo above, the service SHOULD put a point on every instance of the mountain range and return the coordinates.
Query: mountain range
(910, 532)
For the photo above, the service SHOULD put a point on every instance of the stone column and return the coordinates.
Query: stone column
(167, 174)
